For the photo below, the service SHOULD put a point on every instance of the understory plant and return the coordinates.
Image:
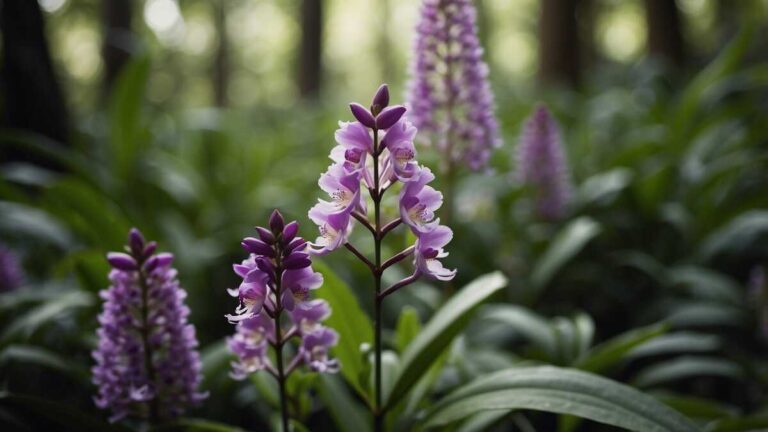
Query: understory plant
(376, 153)
(275, 309)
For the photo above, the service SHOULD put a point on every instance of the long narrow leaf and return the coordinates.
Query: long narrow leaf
(562, 391)
(440, 331)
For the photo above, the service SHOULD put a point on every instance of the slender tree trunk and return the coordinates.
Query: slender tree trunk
(32, 98)
(310, 55)
(665, 39)
(119, 41)
(559, 42)
(221, 56)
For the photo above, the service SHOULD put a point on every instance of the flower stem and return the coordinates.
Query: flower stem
(154, 408)
(378, 412)
(281, 377)
(279, 342)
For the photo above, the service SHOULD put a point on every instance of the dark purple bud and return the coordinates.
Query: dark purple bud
(380, 100)
(296, 244)
(297, 260)
(362, 115)
(136, 242)
(290, 231)
(265, 235)
(159, 260)
(151, 264)
(258, 247)
(149, 249)
(276, 222)
(389, 117)
(265, 265)
(121, 261)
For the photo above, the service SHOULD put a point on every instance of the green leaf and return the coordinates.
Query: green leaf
(350, 321)
(687, 367)
(562, 391)
(529, 324)
(408, 326)
(26, 324)
(447, 322)
(697, 408)
(196, 425)
(125, 114)
(615, 349)
(44, 413)
(604, 186)
(348, 414)
(482, 421)
(702, 314)
(677, 343)
(31, 222)
(568, 242)
(691, 99)
(706, 284)
(736, 236)
(215, 358)
(33, 355)
(745, 424)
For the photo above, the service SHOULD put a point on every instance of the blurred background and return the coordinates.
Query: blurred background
(193, 119)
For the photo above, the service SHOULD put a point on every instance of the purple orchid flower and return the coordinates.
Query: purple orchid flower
(429, 249)
(146, 358)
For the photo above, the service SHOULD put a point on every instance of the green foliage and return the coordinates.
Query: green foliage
(644, 281)
(561, 391)
(353, 326)
(438, 333)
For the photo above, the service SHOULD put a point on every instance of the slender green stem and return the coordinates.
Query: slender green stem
(378, 412)
(154, 408)
(279, 342)
(281, 377)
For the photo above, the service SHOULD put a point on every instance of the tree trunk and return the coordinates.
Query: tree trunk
(221, 56)
(310, 61)
(665, 39)
(32, 98)
(118, 43)
(559, 42)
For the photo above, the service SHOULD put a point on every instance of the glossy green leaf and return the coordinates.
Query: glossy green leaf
(34, 223)
(562, 391)
(348, 413)
(697, 408)
(757, 423)
(736, 235)
(26, 324)
(438, 333)
(35, 355)
(687, 367)
(529, 324)
(614, 350)
(566, 244)
(482, 421)
(196, 425)
(704, 314)
(408, 326)
(604, 186)
(125, 114)
(677, 343)
(350, 321)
